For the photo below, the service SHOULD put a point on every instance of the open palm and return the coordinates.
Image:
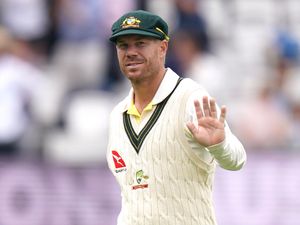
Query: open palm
(210, 129)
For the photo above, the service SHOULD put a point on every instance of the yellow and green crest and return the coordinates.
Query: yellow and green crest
(130, 22)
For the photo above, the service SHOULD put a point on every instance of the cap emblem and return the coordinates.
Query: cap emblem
(130, 22)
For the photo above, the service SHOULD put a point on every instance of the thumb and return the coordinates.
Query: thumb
(192, 128)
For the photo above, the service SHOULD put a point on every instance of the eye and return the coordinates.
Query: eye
(140, 43)
(122, 45)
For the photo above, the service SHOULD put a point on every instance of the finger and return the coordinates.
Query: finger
(198, 110)
(223, 114)
(206, 108)
(213, 109)
(192, 128)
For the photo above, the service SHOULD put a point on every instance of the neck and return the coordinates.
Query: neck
(145, 90)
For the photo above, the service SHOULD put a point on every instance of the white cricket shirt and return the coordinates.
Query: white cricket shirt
(165, 176)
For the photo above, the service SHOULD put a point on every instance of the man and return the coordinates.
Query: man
(165, 137)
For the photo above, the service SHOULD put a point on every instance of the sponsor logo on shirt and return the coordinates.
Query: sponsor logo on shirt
(120, 165)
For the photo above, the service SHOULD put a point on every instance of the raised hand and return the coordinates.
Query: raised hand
(210, 129)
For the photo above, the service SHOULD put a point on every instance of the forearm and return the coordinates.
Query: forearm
(229, 154)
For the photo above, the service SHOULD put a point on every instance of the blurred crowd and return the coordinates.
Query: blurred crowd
(59, 76)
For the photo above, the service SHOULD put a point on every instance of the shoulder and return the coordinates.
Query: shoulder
(119, 108)
(189, 91)
(192, 89)
(188, 82)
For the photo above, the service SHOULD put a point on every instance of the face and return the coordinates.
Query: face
(141, 57)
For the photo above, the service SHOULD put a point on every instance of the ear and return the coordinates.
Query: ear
(164, 44)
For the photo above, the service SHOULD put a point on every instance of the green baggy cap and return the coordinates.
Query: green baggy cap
(140, 22)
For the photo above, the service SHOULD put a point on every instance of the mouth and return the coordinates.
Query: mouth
(133, 64)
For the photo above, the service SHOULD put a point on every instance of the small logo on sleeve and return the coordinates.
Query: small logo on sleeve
(118, 161)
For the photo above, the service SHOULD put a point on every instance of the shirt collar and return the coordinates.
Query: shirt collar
(165, 88)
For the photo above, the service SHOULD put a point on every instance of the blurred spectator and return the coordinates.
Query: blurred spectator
(19, 82)
(190, 51)
(187, 20)
(259, 122)
(28, 21)
(272, 116)
(189, 17)
(288, 46)
(79, 54)
(199, 64)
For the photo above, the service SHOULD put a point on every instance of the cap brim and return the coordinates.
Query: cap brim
(114, 37)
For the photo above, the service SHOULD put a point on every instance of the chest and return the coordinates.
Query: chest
(154, 143)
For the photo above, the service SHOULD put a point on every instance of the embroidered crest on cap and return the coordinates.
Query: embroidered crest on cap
(130, 22)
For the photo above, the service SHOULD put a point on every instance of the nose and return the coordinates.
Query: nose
(131, 51)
